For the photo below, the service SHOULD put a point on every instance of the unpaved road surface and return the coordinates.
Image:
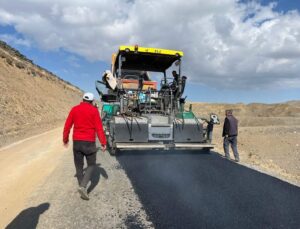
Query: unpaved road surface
(191, 190)
(38, 189)
(23, 166)
(138, 190)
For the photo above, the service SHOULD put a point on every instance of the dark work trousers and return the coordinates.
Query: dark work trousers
(233, 142)
(210, 128)
(88, 150)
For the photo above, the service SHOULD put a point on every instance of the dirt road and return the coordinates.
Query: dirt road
(24, 165)
(38, 189)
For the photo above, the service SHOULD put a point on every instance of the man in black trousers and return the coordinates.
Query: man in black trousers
(86, 122)
(230, 133)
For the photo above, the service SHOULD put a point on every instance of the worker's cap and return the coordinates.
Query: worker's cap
(88, 96)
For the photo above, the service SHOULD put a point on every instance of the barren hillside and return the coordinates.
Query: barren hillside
(255, 114)
(32, 99)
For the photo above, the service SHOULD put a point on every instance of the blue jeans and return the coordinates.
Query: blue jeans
(233, 142)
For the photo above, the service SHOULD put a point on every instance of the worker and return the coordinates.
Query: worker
(87, 123)
(210, 128)
(230, 133)
(176, 77)
(174, 85)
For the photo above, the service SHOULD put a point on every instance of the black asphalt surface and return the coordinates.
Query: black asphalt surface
(196, 190)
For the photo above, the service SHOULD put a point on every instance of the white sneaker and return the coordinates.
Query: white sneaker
(83, 193)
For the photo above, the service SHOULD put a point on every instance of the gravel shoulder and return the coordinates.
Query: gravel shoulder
(53, 201)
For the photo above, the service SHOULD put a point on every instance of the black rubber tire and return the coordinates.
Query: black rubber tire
(113, 151)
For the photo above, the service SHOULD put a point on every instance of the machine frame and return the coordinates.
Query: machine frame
(138, 115)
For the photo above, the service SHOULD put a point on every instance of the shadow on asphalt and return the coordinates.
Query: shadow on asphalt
(29, 217)
(188, 189)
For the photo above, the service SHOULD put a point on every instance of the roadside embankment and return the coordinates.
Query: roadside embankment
(32, 99)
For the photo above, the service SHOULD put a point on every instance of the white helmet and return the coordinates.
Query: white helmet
(88, 96)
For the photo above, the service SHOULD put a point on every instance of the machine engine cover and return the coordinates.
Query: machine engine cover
(161, 133)
(188, 130)
(129, 129)
(160, 128)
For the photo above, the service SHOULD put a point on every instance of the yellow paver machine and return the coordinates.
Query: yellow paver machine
(139, 113)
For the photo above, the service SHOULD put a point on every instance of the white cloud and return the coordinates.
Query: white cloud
(8, 38)
(226, 44)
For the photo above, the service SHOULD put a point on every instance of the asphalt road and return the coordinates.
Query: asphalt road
(192, 190)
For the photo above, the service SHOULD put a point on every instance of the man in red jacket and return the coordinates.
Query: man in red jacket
(87, 122)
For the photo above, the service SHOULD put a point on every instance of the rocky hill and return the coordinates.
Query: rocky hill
(33, 99)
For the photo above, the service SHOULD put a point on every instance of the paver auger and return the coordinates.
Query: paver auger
(138, 115)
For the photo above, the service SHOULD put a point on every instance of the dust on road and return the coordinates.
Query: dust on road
(24, 165)
(39, 190)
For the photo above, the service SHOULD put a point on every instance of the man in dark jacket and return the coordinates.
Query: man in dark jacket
(230, 133)
(175, 76)
(87, 123)
(174, 85)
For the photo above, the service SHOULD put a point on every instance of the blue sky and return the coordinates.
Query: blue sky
(283, 5)
(229, 57)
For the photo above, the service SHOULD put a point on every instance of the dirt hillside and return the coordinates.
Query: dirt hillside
(32, 99)
(254, 114)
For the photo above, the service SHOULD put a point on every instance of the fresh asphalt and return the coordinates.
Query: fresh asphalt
(198, 190)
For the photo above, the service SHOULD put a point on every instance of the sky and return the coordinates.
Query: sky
(234, 51)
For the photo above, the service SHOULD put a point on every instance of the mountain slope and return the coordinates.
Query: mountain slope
(32, 98)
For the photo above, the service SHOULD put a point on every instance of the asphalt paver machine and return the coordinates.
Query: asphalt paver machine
(139, 113)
